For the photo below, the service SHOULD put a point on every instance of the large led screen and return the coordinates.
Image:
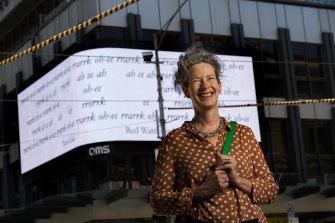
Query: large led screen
(110, 94)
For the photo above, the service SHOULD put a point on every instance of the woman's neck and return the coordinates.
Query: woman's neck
(207, 121)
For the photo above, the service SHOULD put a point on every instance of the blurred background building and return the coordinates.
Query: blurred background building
(292, 47)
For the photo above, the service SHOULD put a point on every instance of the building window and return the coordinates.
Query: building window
(107, 37)
(24, 29)
(148, 36)
(1, 189)
(307, 67)
(27, 25)
(147, 41)
(171, 41)
(221, 44)
(217, 44)
(11, 121)
(118, 170)
(272, 76)
(16, 35)
(279, 148)
(113, 34)
(8, 42)
(319, 152)
(16, 183)
(99, 168)
(267, 75)
(32, 20)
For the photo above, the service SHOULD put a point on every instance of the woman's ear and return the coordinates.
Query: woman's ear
(186, 93)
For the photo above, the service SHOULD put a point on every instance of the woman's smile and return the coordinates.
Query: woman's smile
(205, 95)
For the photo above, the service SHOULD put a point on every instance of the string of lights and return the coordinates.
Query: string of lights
(68, 32)
(298, 102)
(164, 58)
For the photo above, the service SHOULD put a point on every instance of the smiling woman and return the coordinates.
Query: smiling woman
(192, 179)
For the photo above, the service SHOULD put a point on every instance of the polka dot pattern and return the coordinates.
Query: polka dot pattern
(185, 158)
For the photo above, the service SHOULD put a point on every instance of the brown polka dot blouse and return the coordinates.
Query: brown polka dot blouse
(183, 160)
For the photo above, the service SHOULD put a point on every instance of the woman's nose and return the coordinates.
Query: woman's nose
(204, 83)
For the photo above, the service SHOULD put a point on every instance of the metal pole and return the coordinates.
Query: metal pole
(159, 89)
(159, 77)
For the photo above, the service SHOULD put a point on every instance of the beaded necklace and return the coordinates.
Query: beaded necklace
(207, 134)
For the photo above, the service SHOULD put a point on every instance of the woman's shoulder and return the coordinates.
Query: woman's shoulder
(175, 133)
(243, 128)
(239, 126)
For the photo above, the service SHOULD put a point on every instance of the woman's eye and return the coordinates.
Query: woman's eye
(196, 81)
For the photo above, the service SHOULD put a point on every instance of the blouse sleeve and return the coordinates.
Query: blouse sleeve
(264, 187)
(164, 199)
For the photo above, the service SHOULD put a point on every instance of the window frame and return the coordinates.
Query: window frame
(306, 82)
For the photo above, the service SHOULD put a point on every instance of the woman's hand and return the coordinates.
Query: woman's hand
(215, 182)
(228, 163)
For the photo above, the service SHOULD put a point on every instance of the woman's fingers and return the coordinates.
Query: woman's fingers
(222, 178)
(223, 159)
(228, 164)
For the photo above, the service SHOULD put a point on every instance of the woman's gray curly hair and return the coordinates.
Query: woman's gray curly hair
(194, 55)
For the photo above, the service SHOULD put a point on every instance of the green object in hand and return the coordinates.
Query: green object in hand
(229, 138)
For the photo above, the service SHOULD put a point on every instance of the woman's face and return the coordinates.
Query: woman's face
(203, 87)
